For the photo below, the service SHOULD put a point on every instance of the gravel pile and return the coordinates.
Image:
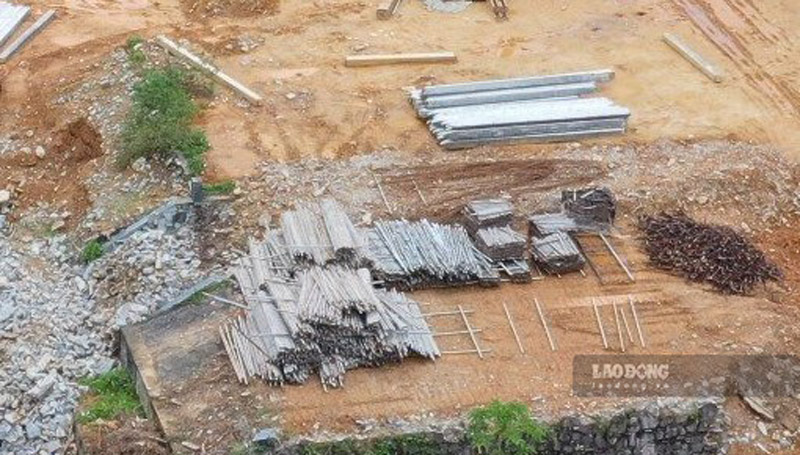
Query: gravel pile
(56, 320)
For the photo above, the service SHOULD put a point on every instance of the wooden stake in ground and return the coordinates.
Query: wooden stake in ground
(471, 333)
(208, 68)
(636, 321)
(352, 61)
(544, 324)
(600, 324)
(513, 328)
(616, 257)
(619, 327)
(699, 62)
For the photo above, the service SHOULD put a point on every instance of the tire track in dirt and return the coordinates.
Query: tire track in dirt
(706, 16)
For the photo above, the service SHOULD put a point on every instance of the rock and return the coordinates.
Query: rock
(43, 387)
(266, 438)
(5, 197)
(291, 95)
(762, 427)
(264, 220)
(39, 152)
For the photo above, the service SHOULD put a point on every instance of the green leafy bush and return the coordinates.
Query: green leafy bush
(112, 394)
(505, 429)
(159, 122)
(92, 251)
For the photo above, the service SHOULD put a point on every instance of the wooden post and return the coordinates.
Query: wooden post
(600, 324)
(513, 328)
(625, 323)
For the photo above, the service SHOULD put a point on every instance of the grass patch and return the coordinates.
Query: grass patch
(160, 121)
(113, 394)
(503, 428)
(225, 187)
(133, 48)
(92, 251)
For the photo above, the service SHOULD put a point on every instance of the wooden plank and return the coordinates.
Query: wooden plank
(625, 323)
(455, 332)
(467, 351)
(701, 63)
(27, 35)
(471, 333)
(513, 328)
(600, 324)
(16, 15)
(544, 324)
(208, 68)
(394, 59)
(447, 313)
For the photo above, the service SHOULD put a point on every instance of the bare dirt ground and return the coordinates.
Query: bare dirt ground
(316, 107)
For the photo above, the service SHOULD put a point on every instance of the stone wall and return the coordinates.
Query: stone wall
(693, 428)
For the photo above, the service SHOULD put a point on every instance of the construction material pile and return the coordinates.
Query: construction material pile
(590, 205)
(528, 109)
(706, 253)
(322, 233)
(500, 243)
(487, 213)
(421, 253)
(326, 321)
(557, 253)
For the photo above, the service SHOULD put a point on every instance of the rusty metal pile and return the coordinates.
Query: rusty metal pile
(717, 255)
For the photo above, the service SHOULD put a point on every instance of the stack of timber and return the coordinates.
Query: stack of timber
(557, 253)
(485, 213)
(325, 321)
(322, 233)
(540, 108)
(421, 254)
(590, 205)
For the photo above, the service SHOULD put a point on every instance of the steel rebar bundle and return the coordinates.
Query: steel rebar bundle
(422, 254)
(325, 321)
(706, 253)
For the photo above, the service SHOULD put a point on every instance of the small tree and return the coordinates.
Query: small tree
(505, 429)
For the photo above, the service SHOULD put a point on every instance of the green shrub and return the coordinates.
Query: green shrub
(132, 42)
(92, 251)
(114, 394)
(505, 428)
(159, 122)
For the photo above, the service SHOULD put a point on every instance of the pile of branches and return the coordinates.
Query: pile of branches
(706, 253)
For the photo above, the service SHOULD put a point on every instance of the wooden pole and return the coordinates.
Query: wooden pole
(455, 332)
(544, 324)
(636, 320)
(513, 328)
(421, 196)
(600, 324)
(619, 327)
(222, 300)
(471, 333)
